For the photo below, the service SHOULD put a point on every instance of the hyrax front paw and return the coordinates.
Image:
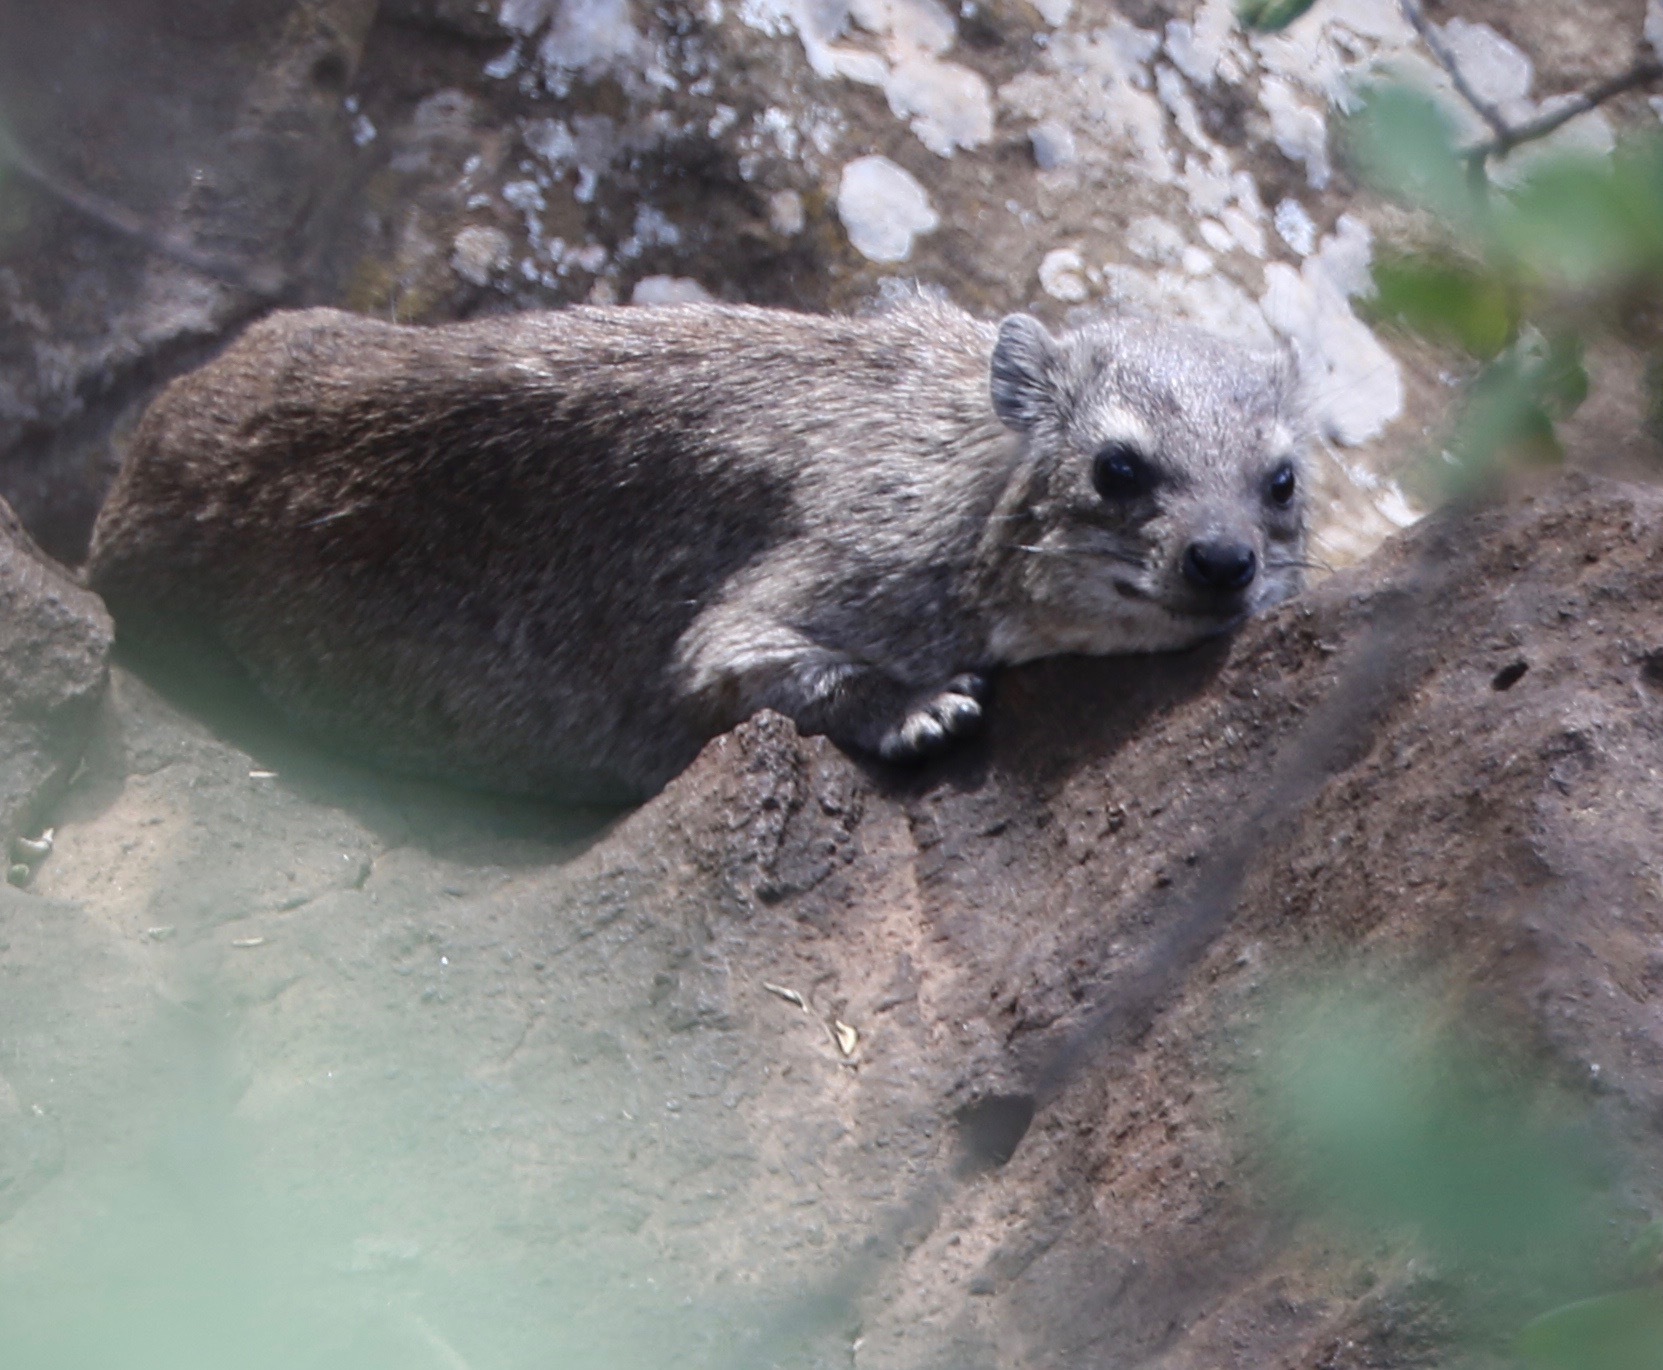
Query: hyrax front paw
(930, 725)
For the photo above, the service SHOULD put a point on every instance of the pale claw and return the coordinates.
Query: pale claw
(953, 713)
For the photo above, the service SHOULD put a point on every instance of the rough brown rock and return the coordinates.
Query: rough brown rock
(550, 1087)
(53, 668)
(434, 159)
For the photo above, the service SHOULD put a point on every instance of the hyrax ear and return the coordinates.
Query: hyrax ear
(1025, 363)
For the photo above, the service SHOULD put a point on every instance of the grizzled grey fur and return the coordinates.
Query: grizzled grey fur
(557, 552)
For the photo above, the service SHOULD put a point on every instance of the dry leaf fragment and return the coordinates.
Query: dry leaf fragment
(789, 995)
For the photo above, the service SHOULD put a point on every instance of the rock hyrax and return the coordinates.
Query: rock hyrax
(557, 552)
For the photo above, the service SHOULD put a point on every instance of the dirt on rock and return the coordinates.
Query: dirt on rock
(808, 1062)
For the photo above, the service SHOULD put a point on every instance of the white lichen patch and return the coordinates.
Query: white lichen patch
(651, 229)
(1053, 144)
(586, 39)
(1208, 45)
(786, 215)
(586, 145)
(588, 36)
(1196, 262)
(1299, 128)
(1210, 300)
(657, 290)
(1175, 95)
(1062, 276)
(883, 208)
(1295, 227)
(1246, 229)
(946, 105)
(363, 130)
(1102, 81)
(1056, 13)
(551, 140)
(1324, 52)
(923, 25)
(480, 252)
(1499, 72)
(1155, 240)
(1216, 236)
(1355, 388)
(591, 257)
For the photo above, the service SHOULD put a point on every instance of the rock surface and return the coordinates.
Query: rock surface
(53, 668)
(810, 1063)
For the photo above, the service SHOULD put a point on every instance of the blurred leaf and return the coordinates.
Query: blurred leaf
(1616, 1332)
(1446, 301)
(1511, 407)
(1399, 1129)
(1403, 144)
(1585, 222)
(1645, 1252)
(1562, 374)
(1267, 16)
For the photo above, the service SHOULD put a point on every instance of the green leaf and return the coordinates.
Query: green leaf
(1403, 144)
(1584, 223)
(1621, 1331)
(1645, 1252)
(1267, 16)
(1511, 409)
(1396, 1129)
(1446, 301)
(1561, 376)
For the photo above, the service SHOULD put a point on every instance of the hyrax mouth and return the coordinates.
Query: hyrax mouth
(1226, 607)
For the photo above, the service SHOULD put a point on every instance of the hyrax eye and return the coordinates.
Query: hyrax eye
(1281, 485)
(1119, 472)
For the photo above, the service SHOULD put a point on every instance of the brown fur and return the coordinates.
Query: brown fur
(555, 550)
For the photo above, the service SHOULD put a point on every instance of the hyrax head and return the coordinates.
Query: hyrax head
(1166, 497)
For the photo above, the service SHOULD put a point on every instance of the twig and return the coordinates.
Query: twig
(1446, 59)
(1508, 135)
(1642, 73)
(118, 219)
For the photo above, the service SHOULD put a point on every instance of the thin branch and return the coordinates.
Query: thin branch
(120, 220)
(1446, 59)
(1645, 71)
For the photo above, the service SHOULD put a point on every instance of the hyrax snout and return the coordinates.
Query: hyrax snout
(556, 552)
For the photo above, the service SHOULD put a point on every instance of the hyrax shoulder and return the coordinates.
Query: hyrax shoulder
(556, 551)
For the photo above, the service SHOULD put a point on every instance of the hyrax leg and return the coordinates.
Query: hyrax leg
(749, 667)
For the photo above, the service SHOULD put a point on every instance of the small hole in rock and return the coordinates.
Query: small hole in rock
(1651, 669)
(1509, 675)
(331, 71)
(991, 1129)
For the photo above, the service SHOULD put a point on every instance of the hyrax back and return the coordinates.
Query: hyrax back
(556, 552)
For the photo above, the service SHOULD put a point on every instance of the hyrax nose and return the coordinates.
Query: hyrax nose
(1221, 567)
